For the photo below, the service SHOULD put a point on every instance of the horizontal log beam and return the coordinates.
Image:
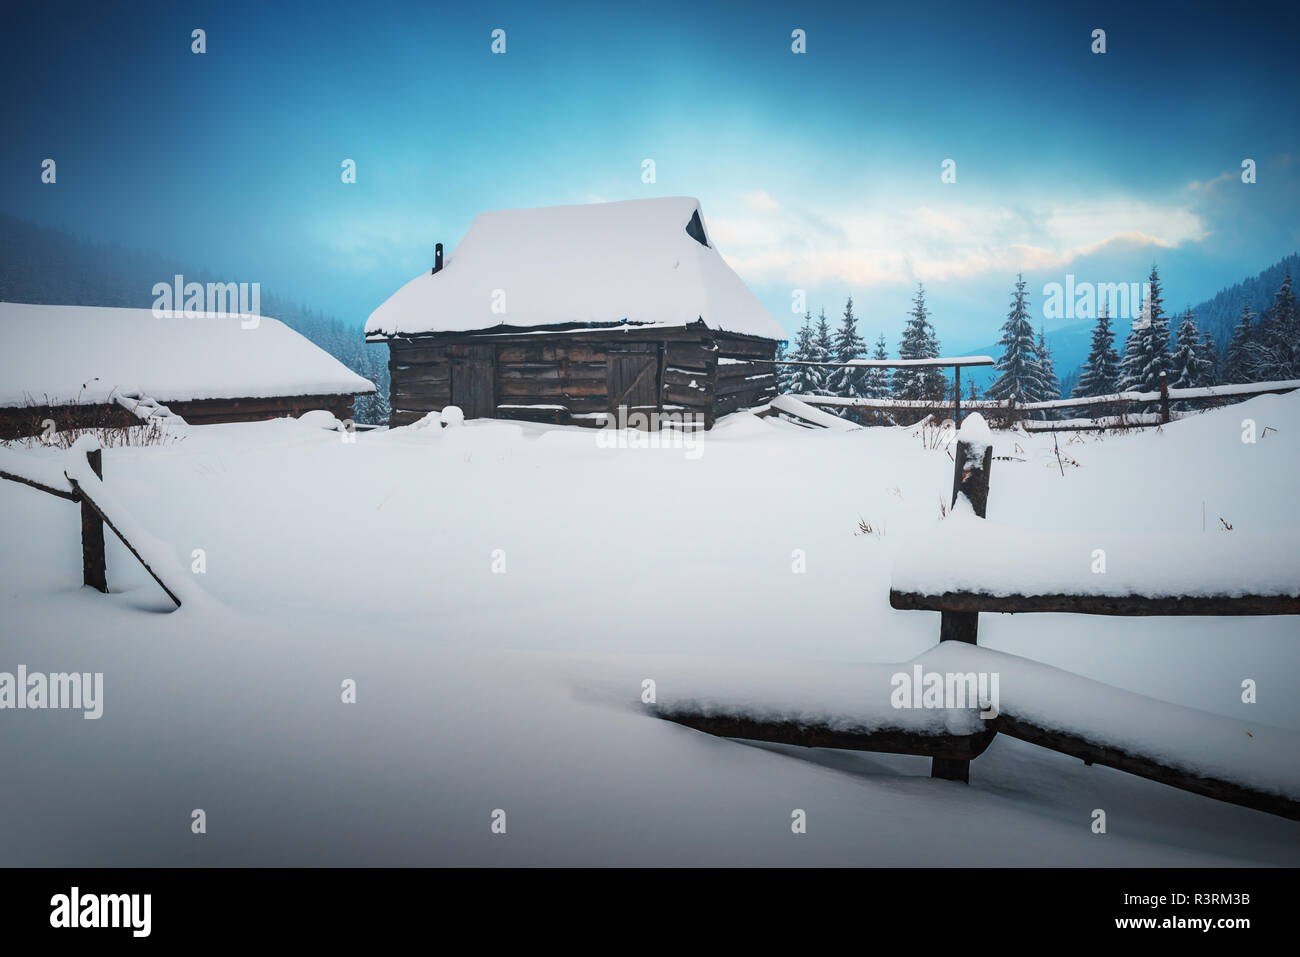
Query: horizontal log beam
(61, 493)
(965, 748)
(1122, 605)
(1091, 753)
(962, 362)
(888, 741)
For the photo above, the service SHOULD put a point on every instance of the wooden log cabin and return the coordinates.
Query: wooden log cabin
(565, 314)
(75, 365)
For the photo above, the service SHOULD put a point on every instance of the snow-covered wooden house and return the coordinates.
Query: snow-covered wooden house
(77, 365)
(566, 313)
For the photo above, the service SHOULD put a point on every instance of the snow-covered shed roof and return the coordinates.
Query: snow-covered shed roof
(86, 354)
(598, 264)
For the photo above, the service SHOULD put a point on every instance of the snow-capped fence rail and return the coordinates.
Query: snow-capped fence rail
(1278, 594)
(17, 467)
(1114, 409)
(1232, 761)
(1237, 762)
(81, 481)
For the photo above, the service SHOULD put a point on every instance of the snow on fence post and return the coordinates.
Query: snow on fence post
(1164, 398)
(972, 462)
(92, 532)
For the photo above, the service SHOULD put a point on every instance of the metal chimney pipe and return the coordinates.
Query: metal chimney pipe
(437, 257)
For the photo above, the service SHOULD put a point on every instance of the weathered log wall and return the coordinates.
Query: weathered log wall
(574, 377)
(16, 423)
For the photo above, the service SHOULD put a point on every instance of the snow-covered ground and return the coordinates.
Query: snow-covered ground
(499, 592)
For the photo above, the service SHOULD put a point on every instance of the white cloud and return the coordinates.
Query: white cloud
(901, 243)
(760, 200)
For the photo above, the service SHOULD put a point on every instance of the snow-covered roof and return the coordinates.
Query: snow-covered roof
(86, 354)
(602, 263)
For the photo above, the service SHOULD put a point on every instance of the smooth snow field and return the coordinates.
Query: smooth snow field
(498, 592)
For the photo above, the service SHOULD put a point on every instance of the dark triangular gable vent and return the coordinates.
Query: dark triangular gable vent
(695, 229)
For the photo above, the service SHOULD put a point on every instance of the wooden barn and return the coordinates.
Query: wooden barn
(79, 366)
(564, 314)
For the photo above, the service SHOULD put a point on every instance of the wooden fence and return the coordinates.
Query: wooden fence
(1120, 410)
(951, 754)
(927, 407)
(94, 514)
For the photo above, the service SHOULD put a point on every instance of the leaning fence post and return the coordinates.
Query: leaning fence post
(1164, 398)
(971, 465)
(92, 533)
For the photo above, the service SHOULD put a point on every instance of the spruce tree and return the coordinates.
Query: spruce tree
(1209, 360)
(848, 345)
(1046, 369)
(1187, 365)
(876, 381)
(824, 351)
(919, 342)
(1278, 348)
(805, 380)
(1146, 354)
(1101, 370)
(1021, 373)
(784, 374)
(1238, 364)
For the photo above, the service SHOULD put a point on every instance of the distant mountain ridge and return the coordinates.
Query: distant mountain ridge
(1219, 314)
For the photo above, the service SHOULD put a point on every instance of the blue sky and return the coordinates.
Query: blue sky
(818, 171)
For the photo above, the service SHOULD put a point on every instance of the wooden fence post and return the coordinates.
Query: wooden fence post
(92, 533)
(956, 405)
(970, 478)
(1011, 412)
(1164, 398)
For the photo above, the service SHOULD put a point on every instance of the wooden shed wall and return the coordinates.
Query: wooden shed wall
(571, 378)
(743, 383)
(26, 420)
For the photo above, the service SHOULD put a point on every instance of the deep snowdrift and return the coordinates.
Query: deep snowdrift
(499, 592)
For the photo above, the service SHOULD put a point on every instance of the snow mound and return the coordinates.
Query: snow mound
(965, 553)
(320, 419)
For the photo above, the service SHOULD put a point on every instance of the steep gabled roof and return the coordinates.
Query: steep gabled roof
(86, 354)
(645, 262)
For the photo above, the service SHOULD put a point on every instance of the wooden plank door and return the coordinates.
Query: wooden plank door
(473, 381)
(634, 378)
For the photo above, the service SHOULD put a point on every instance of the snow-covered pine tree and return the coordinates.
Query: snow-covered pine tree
(1239, 363)
(1209, 360)
(1187, 365)
(380, 405)
(1021, 373)
(805, 380)
(784, 374)
(1046, 372)
(919, 342)
(876, 381)
(1146, 354)
(1101, 370)
(824, 349)
(848, 345)
(1279, 337)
